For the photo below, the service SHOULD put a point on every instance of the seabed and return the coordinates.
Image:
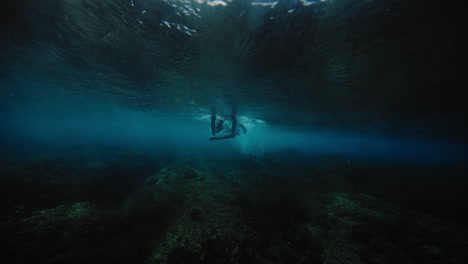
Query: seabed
(284, 207)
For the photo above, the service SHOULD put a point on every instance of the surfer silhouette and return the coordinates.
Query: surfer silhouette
(223, 129)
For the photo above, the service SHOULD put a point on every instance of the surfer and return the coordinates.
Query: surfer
(223, 129)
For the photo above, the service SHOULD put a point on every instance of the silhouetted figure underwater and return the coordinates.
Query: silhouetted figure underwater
(223, 129)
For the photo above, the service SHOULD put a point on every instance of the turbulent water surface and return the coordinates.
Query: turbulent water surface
(355, 148)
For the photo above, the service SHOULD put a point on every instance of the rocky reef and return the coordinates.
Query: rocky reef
(281, 208)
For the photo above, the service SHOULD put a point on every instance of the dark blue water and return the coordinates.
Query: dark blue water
(356, 148)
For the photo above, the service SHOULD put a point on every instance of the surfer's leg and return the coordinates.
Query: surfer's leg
(243, 128)
(213, 121)
(234, 125)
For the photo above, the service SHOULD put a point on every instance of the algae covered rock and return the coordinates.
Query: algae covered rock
(358, 228)
(204, 210)
(201, 212)
(34, 185)
(194, 212)
(64, 234)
